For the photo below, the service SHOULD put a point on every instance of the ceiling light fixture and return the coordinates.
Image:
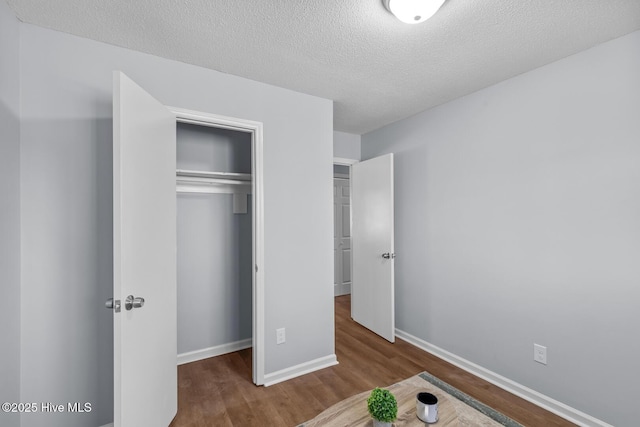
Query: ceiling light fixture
(413, 11)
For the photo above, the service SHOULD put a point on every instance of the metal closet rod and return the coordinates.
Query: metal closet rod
(227, 176)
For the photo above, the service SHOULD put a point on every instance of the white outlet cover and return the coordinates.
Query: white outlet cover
(540, 353)
(280, 336)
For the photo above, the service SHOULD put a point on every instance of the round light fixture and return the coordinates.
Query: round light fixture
(413, 11)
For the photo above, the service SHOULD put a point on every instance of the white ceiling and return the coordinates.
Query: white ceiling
(376, 69)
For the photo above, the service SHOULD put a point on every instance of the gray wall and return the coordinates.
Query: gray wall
(517, 223)
(9, 212)
(212, 149)
(214, 244)
(341, 170)
(66, 215)
(346, 145)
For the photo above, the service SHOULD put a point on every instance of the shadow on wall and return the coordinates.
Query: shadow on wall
(67, 275)
(10, 259)
(104, 256)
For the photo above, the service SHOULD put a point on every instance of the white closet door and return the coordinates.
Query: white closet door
(144, 227)
(342, 236)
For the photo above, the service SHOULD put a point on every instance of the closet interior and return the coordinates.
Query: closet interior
(213, 190)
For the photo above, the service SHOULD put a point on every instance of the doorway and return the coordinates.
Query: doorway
(230, 186)
(214, 236)
(144, 251)
(372, 296)
(342, 248)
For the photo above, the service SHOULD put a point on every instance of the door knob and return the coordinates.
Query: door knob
(388, 255)
(133, 302)
(113, 304)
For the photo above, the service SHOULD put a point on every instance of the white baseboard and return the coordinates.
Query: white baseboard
(108, 425)
(218, 350)
(539, 399)
(341, 290)
(296, 371)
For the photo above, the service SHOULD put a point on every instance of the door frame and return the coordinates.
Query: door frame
(342, 161)
(257, 198)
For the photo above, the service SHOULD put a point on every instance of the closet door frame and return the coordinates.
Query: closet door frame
(257, 197)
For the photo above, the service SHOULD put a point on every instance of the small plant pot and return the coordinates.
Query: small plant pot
(382, 405)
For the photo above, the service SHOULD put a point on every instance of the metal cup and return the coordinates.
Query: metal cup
(427, 407)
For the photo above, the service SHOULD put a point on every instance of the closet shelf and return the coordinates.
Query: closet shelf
(183, 174)
(238, 184)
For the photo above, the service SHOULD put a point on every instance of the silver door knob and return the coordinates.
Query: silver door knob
(113, 304)
(133, 302)
(388, 255)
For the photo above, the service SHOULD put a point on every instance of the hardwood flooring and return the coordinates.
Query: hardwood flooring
(219, 392)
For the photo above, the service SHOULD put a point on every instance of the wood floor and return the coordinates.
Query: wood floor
(219, 391)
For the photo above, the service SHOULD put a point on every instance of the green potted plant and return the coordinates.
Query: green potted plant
(383, 407)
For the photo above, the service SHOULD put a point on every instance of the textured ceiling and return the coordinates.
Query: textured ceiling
(376, 69)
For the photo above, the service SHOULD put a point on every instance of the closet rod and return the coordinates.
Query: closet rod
(182, 173)
(210, 181)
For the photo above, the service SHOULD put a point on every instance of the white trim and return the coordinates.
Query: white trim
(232, 176)
(218, 350)
(298, 370)
(344, 161)
(212, 188)
(213, 182)
(214, 120)
(257, 192)
(257, 167)
(571, 414)
(108, 425)
(342, 289)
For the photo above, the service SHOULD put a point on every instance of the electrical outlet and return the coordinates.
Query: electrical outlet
(540, 354)
(280, 336)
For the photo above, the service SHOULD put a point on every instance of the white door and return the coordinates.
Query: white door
(372, 288)
(144, 257)
(342, 236)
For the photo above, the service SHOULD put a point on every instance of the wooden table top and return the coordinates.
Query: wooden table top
(451, 411)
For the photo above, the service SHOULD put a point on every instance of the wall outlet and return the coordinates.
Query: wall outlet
(540, 354)
(280, 336)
